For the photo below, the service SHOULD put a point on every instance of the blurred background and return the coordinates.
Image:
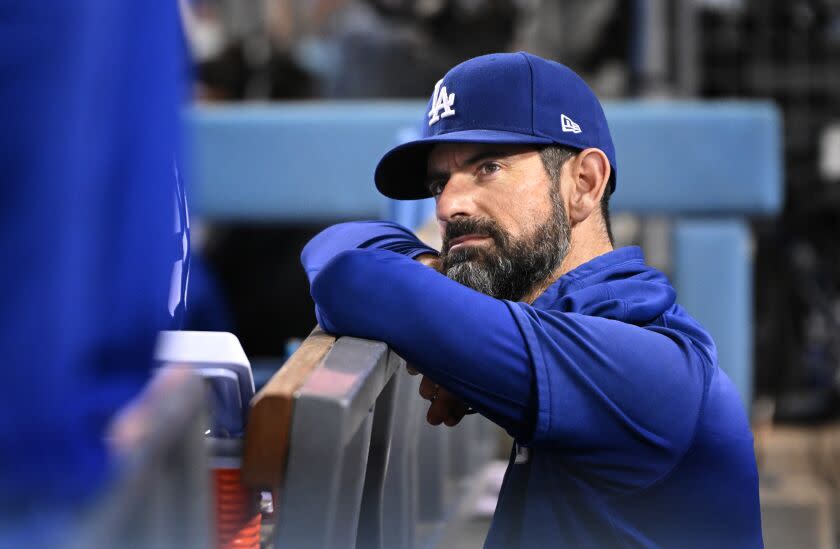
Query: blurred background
(786, 52)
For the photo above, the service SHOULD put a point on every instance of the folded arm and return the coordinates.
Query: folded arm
(618, 401)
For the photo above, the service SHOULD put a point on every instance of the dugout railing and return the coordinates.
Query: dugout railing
(319, 436)
(337, 435)
(160, 493)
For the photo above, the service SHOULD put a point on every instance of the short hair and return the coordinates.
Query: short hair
(554, 157)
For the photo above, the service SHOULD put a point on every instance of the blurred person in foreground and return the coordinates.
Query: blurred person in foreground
(89, 95)
(626, 431)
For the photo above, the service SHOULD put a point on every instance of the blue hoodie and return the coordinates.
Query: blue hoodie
(627, 432)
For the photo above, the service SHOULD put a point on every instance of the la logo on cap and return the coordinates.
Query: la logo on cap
(441, 103)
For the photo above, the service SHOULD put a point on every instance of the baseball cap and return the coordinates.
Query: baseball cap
(505, 98)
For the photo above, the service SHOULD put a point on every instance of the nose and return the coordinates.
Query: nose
(456, 200)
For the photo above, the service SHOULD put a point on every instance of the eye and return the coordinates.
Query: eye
(489, 168)
(436, 186)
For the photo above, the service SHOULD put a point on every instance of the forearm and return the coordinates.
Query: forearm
(467, 342)
(383, 235)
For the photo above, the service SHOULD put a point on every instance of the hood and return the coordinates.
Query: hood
(617, 285)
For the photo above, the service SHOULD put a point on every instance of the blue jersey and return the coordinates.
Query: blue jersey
(628, 433)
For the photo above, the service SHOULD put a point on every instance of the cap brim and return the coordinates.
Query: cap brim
(401, 173)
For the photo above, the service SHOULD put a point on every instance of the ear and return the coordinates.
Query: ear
(590, 174)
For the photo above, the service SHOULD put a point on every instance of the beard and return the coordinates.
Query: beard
(507, 269)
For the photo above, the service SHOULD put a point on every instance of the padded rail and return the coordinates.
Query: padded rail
(713, 277)
(321, 433)
(270, 419)
(331, 436)
(314, 161)
(161, 496)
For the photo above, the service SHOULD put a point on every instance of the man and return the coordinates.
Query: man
(627, 432)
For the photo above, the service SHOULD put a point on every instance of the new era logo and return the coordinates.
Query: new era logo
(569, 125)
(442, 103)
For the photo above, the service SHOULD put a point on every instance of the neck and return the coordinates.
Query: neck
(584, 245)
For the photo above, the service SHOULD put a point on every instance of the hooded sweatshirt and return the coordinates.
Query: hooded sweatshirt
(627, 432)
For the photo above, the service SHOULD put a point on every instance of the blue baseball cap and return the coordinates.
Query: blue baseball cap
(505, 98)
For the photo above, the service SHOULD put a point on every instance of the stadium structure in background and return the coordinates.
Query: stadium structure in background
(789, 51)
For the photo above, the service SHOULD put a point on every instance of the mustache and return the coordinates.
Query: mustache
(463, 227)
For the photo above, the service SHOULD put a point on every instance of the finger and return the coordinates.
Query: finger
(446, 408)
(428, 388)
(456, 408)
(411, 370)
(438, 412)
(452, 421)
(457, 411)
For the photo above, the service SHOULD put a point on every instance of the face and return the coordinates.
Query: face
(504, 227)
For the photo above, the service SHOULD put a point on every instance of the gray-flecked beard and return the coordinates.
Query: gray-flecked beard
(508, 269)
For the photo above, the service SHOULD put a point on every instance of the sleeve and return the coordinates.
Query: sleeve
(382, 235)
(433, 322)
(618, 402)
(621, 401)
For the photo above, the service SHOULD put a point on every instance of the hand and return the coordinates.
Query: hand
(445, 407)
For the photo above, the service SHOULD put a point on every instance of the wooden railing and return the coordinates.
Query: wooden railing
(270, 420)
(320, 434)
